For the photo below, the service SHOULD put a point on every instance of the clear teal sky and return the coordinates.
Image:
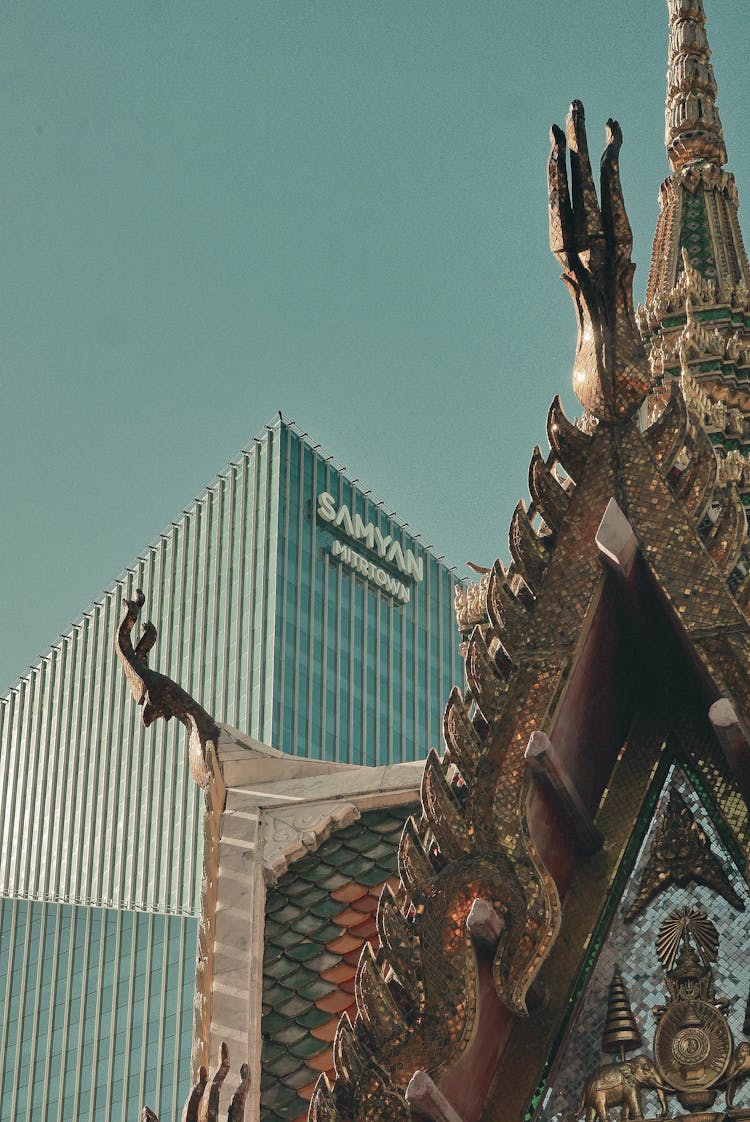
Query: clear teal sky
(213, 211)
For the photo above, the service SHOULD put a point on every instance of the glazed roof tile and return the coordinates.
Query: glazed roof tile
(317, 919)
(336, 1001)
(345, 943)
(326, 1032)
(348, 892)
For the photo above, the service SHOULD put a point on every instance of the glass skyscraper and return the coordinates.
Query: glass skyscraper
(293, 607)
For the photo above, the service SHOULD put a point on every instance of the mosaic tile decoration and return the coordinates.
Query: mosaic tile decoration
(696, 237)
(317, 920)
(632, 948)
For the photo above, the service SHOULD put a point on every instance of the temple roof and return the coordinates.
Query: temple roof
(598, 655)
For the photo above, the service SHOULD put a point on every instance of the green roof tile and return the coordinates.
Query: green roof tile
(283, 1064)
(300, 887)
(307, 1047)
(298, 1079)
(313, 1018)
(286, 911)
(336, 880)
(279, 968)
(294, 1006)
(326, 907)
(309, 924)
(315, 988)
(304, 951)
(273, 1023)
(304, 893)
(291, 1034)
(272, 1050)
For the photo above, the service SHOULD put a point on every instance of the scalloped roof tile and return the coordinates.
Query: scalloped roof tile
(318, 918)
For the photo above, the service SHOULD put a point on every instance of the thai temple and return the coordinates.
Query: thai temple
(545, 917)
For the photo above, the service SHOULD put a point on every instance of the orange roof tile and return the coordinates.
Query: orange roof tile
(327, 1031)
(339, 973)
(344, 944)
(322, 1062)
(348, 918)
(349, 892)
(335, 1002)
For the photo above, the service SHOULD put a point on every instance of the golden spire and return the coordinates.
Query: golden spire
(693, 126)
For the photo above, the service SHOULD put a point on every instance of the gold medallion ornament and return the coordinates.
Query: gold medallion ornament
(693, 1050)
(692, 1045)
(693, 1042)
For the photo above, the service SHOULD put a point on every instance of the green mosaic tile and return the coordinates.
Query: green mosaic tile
(695, 235)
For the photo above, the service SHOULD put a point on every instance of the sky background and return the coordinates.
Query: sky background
(337, 209)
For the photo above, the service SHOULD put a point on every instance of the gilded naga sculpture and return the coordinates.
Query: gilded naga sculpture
(593, 244)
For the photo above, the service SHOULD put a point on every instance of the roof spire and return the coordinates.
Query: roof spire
(693, 126)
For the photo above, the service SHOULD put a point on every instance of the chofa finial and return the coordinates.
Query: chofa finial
(203, 1102)
(159, 696)
(593, 244)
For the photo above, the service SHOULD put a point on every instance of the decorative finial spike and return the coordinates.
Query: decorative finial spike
(693, 126)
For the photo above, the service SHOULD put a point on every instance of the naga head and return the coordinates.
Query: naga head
(593, 242)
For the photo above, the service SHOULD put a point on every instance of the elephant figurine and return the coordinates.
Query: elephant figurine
(620, 1084)
(739, 1069)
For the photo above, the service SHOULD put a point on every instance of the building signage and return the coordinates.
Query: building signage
(383, 545)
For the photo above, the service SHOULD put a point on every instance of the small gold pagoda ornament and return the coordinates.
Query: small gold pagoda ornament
(621, 1033)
